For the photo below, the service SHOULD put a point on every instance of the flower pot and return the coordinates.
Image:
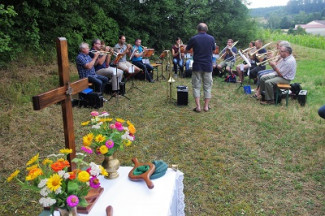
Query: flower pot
(66, 212)
(111, 164)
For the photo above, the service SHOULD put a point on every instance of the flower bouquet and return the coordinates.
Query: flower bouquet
(58, 187)
(106, 136)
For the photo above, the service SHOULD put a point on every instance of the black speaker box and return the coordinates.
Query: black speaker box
(302, 97)
(182, 95)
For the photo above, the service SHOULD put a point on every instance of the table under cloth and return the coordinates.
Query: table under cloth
(135, 198)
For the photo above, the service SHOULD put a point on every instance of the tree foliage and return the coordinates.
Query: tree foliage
(34, 25)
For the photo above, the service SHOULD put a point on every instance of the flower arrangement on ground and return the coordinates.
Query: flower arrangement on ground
(58, 187)
(107, 135)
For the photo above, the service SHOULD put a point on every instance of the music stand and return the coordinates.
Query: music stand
(133, 86)
(117, 59)
(147, 53)
(163, 56)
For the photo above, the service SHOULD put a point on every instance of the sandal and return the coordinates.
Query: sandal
(207, 109)
(195, 110)
(254, 96)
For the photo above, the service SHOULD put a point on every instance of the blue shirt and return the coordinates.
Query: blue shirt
(98, 66)
(81, 60)
(203, 45)
(139, 50)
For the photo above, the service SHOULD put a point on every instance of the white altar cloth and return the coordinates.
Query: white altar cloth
(135, 198)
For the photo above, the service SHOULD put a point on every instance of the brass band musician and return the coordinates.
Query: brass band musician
(229, 56)
(125, 49)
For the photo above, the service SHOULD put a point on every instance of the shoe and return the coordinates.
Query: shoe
(207, 109)
(152, 81)
(104, 100)
(195, 110)
(270, 102)
(254, 96)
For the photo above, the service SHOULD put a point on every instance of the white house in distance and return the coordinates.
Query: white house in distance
(316, 27)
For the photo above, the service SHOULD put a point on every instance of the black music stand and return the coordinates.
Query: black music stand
(118, 91)
(147, 53)
(133, 86)
(163, 57)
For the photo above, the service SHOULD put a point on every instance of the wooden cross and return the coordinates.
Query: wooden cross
(63, 94)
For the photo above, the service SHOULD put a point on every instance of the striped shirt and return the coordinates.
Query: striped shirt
(287, 67)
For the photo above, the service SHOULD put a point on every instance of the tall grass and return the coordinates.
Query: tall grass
(308, 40)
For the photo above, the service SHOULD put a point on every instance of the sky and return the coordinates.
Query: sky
(266, 3)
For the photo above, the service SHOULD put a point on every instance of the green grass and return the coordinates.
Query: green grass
(241, 158)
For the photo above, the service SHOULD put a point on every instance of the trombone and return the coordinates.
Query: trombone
(223, 51)
(268, 60)
(256, 51)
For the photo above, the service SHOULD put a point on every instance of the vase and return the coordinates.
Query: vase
(111, 164)
(66, 212)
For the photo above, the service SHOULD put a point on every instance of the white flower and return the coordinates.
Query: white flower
(66, 175)
(45, 191)
(61, 173)
(81, 154)
(47, 201)
(104, 114)
(58, 191)
(95, 170)
(95, 127)
(42, 183)
(127, 136)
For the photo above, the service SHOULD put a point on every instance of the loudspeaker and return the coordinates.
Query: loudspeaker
(182, 95)
(302, 97)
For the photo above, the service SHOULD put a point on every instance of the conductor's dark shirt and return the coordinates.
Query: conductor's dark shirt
(203, 45)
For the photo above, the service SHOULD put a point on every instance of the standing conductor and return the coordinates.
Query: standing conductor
(203, 45)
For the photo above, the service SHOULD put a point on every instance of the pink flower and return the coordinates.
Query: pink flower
(87, 149)
(94, 113)
(112, 126)
(118, 124)
(120, 128)
(94, 182)
(72, 201)
(109, 144)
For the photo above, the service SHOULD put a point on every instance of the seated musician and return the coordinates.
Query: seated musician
(285, 72)
(260, 50)
(178, 56)
(85, 66)
(247, 64)
(228, 55)
(137, 53)
(102, 66)
(277, 59)
(123, 64)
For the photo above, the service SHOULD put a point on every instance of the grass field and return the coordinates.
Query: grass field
(240, 158)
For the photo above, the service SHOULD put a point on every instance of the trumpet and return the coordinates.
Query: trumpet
(268, 60)
(101, 52)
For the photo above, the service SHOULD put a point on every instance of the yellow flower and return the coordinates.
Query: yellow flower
(85, 123)
(127, 142)
(47, 161)
(103, 149)
(88, 139)
(34, 173)
(33, 160)
(107, 119)
(32, 167)
(120, 120)
(13, 175)
(129, 123)
(132, 129)
(66, 151)
(54, 182)
(100, 138)
(83, 176)
(103, 171)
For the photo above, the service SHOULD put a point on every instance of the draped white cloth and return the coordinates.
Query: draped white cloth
(135, 198)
